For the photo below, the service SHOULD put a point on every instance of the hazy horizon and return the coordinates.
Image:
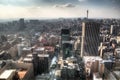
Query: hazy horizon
(14, 9)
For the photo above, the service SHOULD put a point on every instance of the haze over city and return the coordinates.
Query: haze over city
(59, 8)
(59, 39)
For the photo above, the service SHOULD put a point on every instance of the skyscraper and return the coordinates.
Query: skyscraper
(66, 43)
(115, 30)
(21, 24)
(90, 38)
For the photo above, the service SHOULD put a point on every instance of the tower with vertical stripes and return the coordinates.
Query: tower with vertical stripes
(90, 35)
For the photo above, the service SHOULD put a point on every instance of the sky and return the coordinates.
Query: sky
(59, 8)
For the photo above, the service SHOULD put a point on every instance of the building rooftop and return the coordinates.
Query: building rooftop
(21, 74)
(91, 58)
(6, 74)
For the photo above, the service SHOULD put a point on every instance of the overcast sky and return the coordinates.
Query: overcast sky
(59, 8)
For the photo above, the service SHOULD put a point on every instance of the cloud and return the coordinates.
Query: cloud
(82, 0)
(72, 3)
(15, 2)
(34, 12)
(63, 8)
(49, 12)
(36, 2)
(67, 5)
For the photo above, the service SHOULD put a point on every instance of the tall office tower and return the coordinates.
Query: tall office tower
(66, 43)
(87, 14)
(35, 62)
(111, 29)
(65, 34)
(40, 63)
(21, 24)
(115, 29)
(90, 38)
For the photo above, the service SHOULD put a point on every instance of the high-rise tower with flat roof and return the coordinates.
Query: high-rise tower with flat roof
(90, 38)
(21, 24)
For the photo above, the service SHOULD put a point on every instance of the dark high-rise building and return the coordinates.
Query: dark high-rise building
(35, 63)
(65, 34)
(90, 33)
(65, 43)
(40, 63)
(21, 24)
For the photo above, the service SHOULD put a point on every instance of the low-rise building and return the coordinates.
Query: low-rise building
(24, 71)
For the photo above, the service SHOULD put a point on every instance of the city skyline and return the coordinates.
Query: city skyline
(59, 8)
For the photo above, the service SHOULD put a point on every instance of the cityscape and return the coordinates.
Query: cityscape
(59, 40)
